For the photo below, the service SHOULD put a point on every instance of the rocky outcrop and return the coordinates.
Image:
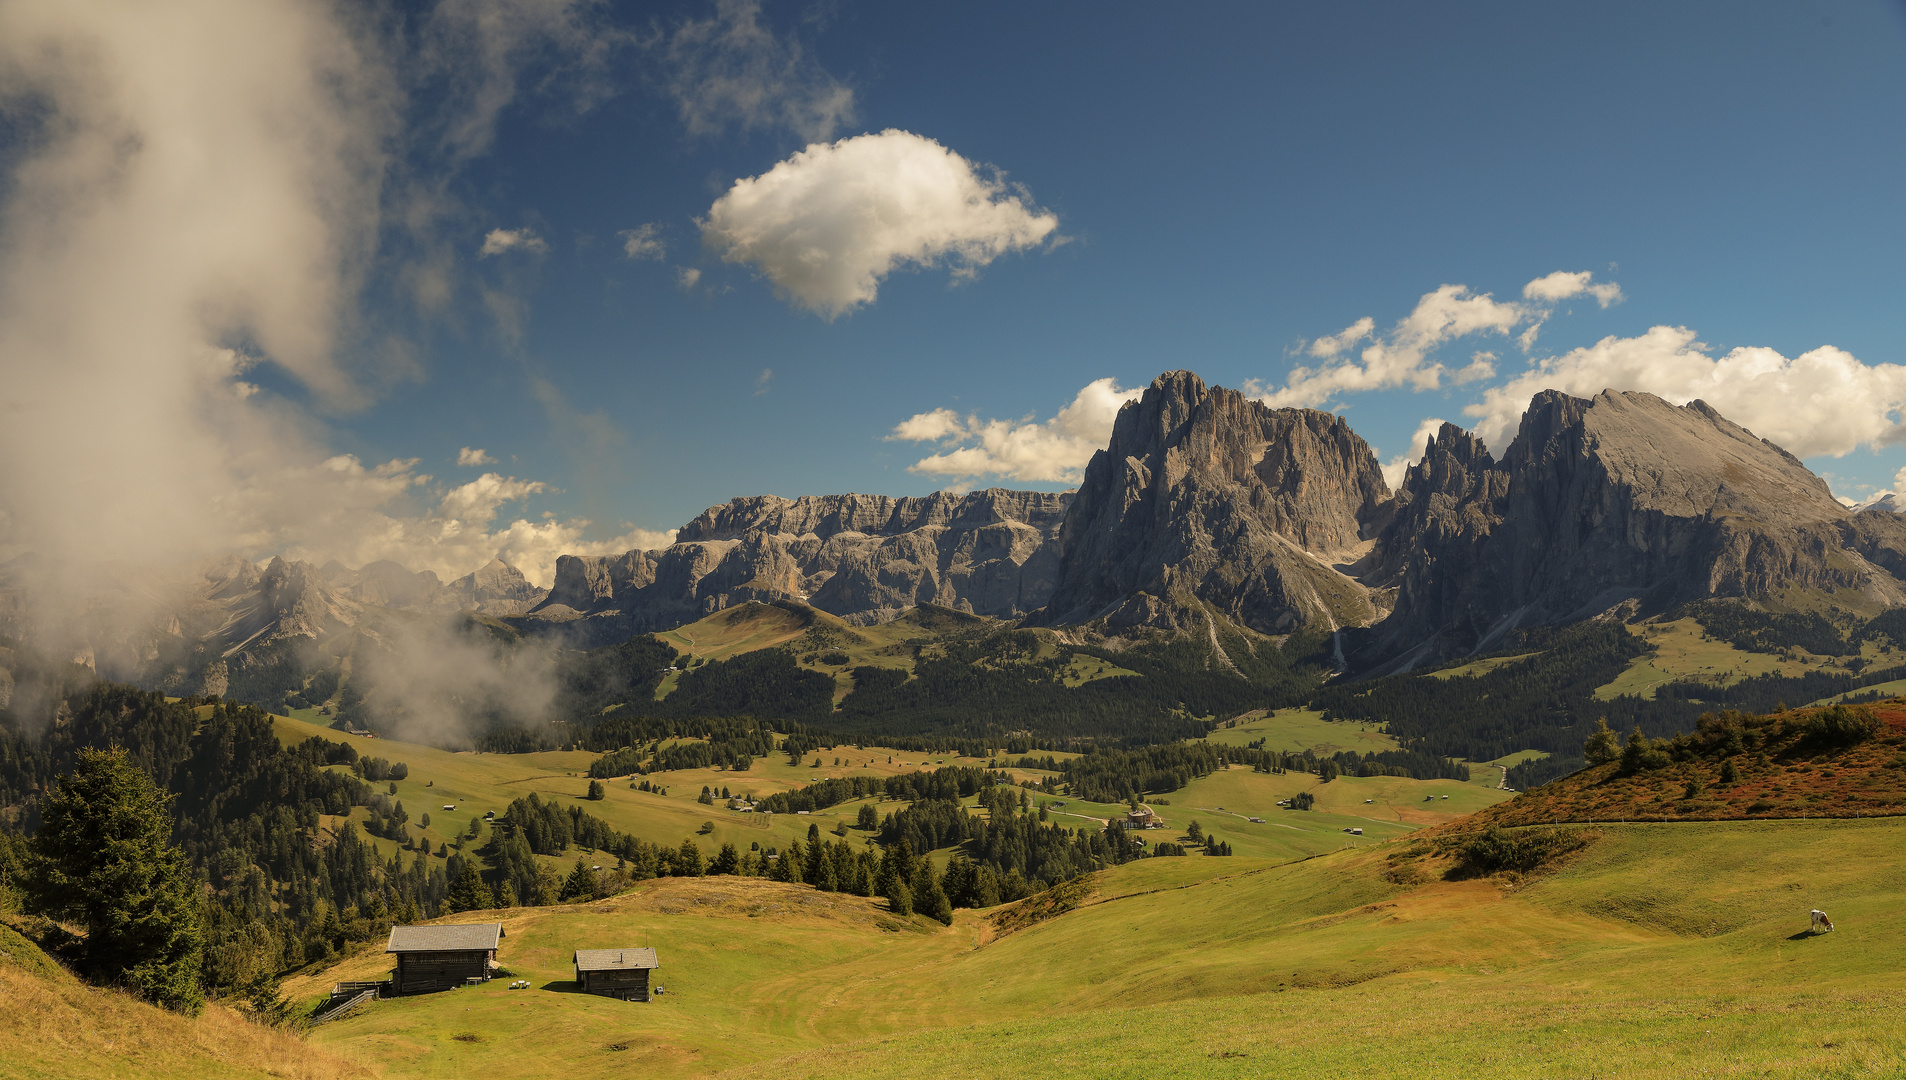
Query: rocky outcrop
(1618, 499)
(496, 589)
(865, 558)
(1206, 499)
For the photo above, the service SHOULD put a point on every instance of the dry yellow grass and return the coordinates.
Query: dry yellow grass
(61, 1029)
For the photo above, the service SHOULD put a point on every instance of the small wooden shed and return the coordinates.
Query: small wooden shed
(616, 973)
(440, 957)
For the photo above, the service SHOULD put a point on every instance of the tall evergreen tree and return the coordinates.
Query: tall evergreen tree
(107, 861)
(1601, 747)
(581, 884)
(468, 893)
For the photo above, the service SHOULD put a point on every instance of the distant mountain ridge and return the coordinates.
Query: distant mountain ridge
(1207, 505)
(1207, 513)
(865, 558)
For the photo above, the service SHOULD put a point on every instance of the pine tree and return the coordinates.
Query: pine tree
(1631, 754)
(107, 861)
(1601, 748)
(581, 883)
(869, 818)
(1730, 774)
(727, 861)
(688, 860)
(468, 893)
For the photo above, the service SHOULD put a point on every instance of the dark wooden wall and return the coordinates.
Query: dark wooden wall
(440, 970)
(628, 983)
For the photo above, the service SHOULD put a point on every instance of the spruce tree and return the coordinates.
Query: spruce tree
(106, 861)
(581, 883)
(468, 893)
(1730, 774)
(1631, 754)
(688, 860)
(1601, 747)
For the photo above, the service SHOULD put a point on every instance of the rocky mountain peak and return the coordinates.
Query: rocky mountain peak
(1622, 498)
(1206, 495)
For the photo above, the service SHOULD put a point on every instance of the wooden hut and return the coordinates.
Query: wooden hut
(440, 957)
(616, 973)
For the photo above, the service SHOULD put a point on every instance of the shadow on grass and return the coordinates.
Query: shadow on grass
(562, 986)
(1804, 935)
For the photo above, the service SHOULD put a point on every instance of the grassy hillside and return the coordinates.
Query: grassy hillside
(1785, 766)
(830, 645)
(56, 1028)
(1300, 730)
(1661, 950)
(477, 783)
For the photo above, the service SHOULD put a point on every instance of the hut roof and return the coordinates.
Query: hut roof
(615, 959)
(444, 938)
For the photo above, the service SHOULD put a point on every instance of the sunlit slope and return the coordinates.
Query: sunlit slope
(1684, 650)
(54, 1027)
(477, 783)
(1300, 730)
(1662, 949)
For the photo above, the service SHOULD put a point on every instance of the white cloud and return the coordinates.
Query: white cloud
(1394, 469)
(929, 426)
(499, 241)
(1481, 366)
(1403, 356)
(643, 242)
(830, 223)
(1563, 285)
(1822, 402)
(731, 70)
(762, 380)
(687, 276)
(474, 456)
(1331, 344)
(1055, 451)
(479, 500)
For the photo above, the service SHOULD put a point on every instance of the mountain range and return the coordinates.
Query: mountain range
(1206, 509)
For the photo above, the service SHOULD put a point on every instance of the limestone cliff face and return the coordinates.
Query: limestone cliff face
(1616, 498)
(865, 558)
(1207, 498)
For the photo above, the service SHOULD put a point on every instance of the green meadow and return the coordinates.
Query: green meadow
(1299, 730)
(1660, 951)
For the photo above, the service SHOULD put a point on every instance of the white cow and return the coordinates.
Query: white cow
(1821, 923)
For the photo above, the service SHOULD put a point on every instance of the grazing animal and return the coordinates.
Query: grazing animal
(1820, 921)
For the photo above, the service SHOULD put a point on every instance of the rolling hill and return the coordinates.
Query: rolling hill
(1660, 950)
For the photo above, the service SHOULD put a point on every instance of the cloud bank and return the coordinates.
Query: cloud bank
(1403, 355)
(1823, 402)
(828, 224)
(1056, 450)
(195, 194)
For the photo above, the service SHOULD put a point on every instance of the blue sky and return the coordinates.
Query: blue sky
(1230, 182)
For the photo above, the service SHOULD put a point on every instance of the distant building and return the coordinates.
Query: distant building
(1143, 818)
(616, 973)
(440, 957)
